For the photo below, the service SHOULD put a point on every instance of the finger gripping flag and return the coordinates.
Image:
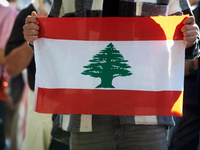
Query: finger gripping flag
(110, 66)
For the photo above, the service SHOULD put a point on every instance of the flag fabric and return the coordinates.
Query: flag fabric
(110, 66)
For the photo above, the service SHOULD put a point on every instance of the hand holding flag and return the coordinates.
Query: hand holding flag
(31, 28)
(190, 31)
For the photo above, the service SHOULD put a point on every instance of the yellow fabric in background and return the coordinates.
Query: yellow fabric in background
(38, 128)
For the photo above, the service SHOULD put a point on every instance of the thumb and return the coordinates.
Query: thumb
(34, 14)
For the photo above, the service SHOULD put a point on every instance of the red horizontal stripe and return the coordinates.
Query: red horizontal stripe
(106, 102)
(105, 29)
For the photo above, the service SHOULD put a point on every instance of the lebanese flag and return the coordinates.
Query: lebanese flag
(110, 66)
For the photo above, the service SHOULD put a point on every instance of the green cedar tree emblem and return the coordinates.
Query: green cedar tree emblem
(107, 65)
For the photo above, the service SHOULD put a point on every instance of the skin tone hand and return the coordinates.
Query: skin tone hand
(190, 31)
(2, 56)
(31, 28)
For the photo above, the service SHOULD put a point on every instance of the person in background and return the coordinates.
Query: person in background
(120, 132)
(7, 18)
(19, 56)
(13, 3)
(185, 134)
(196, 12)
(14, 91)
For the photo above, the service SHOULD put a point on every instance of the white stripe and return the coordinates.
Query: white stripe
(145, 120)
(150, 67)
(147, 1)
(65, 122)
(97, 5)
(67, 7)
(138, 9)
(86, 123)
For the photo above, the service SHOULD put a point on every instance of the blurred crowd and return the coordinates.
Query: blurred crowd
(20, 127)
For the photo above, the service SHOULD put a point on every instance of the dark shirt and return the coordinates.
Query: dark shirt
(110, 8)
(194, 99)
(197, 18)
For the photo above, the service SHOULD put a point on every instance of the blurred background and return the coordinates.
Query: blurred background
(20, 4)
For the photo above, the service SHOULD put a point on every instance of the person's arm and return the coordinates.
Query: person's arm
(18, 59)
(2, 51)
